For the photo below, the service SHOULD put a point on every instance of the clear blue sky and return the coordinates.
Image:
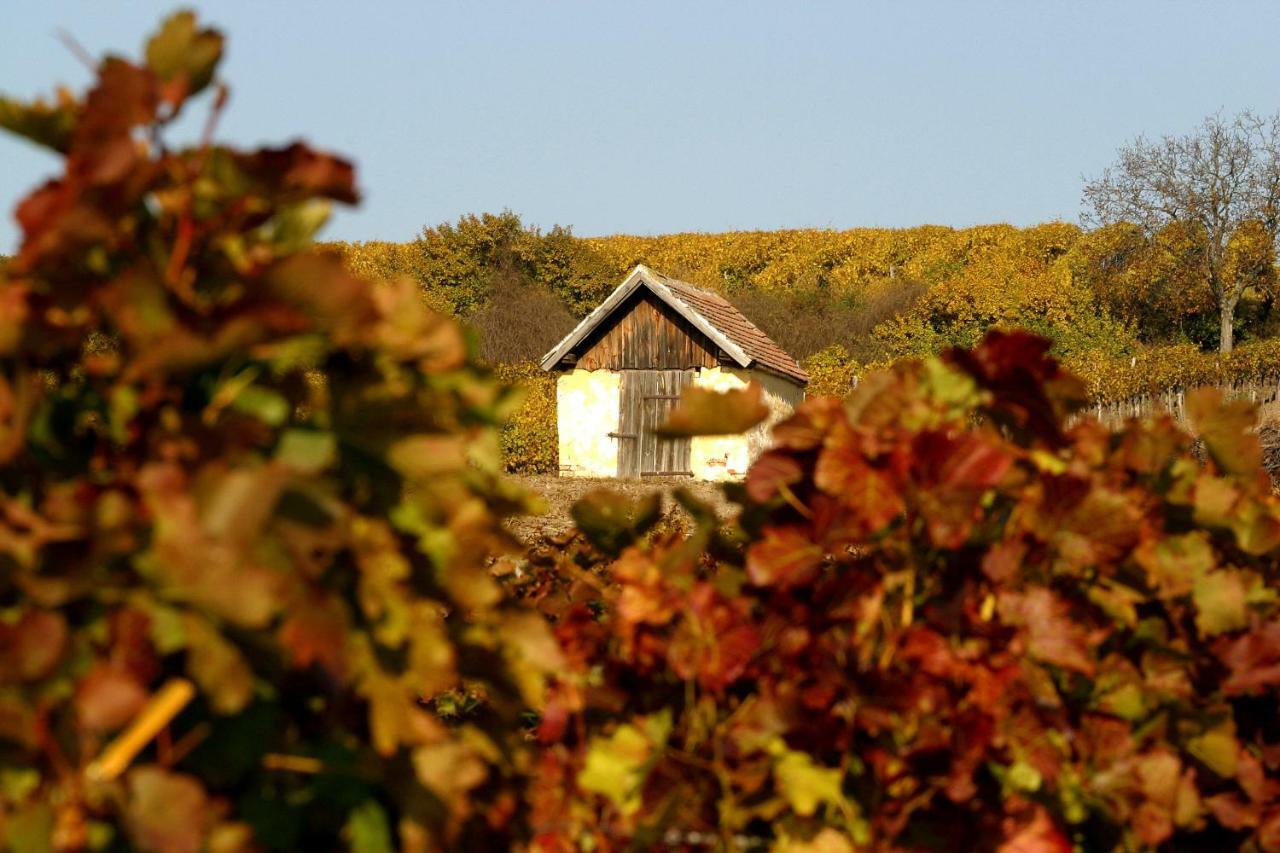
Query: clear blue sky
(667, 116)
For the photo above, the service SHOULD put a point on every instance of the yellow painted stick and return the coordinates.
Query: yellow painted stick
(162, 708)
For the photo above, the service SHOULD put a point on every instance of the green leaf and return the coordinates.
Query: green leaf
(217, 666)
(1174, 562)
(1023, 777)
(368, 830)
(1256, 526)
(1128, 702)
(17, 782)
(44, 124)
(617, 766)
(307, 451)
(703, 411)
(29, 830)
(1218, 750)
(806, 785)
(266, 405)
(182, 52)
(1219, 597)
(612, 521)
(1226, 426)
(294, 227)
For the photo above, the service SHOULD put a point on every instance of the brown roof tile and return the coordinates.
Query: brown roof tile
(732, 324)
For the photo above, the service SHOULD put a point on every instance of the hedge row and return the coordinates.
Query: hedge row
(1158, 369)
(456, 257)
(529, 439)
(1109, 379)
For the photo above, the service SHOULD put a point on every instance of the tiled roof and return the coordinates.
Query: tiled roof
(735, 326)
(709, 312)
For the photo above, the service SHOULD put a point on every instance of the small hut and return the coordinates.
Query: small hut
(623, 368)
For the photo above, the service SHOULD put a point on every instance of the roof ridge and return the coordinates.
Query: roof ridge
(707, 309)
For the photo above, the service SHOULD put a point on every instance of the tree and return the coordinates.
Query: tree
(1222, 179)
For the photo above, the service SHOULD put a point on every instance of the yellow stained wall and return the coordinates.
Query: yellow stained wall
(727, 457)
(588, 404)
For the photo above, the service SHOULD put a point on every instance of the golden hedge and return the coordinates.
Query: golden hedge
(529, 438)
(1157, 369)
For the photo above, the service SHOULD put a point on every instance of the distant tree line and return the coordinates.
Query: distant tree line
(874, 294)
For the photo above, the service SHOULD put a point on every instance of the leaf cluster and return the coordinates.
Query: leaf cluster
(247, 499)
(942, 620)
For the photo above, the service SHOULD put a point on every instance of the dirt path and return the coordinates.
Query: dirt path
(562, 492)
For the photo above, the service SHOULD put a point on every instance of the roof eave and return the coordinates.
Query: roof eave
(642, 275)
(781, 374)
(589, 322)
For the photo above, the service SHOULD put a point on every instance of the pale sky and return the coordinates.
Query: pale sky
(662, 116)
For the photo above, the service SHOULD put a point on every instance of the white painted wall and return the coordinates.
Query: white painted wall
(727, 457)
(588, 404)
(719, 457)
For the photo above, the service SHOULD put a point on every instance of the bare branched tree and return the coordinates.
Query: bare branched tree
(521, 321)
(1222, 179)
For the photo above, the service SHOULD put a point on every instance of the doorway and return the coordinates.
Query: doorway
(647, 398)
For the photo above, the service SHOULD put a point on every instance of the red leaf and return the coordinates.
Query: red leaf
(316, 632)
(714, 642)
(843, 471)
(809, 424)
(968, 461)
(297, 170)
(1018, 371)
(168, 811)
(784, 558)
(108, 696)
(1253, 659)
(771, 472)
(1052, 635)
(32, 647)
(1233, 812)
(1039, 835)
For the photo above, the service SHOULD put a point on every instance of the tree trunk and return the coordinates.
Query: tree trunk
(1226, 339)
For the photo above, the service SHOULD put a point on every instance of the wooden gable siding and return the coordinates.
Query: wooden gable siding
(648, 336)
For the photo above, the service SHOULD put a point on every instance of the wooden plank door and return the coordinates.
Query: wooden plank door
(647, 398)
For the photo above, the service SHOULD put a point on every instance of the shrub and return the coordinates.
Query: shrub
(1155, 370)
(520, 322)
(463, 262)
(243, 599)
(806, 323)
(1007, 289)
(383, 261)
(832, 372)
(530, 440)
(942, 620)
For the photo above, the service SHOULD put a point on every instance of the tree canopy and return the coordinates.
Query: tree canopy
(1219, 186)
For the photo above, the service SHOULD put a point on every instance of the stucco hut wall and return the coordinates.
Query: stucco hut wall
(727, 457)
(588, 404)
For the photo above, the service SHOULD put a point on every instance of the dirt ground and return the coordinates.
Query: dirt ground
(561, 493)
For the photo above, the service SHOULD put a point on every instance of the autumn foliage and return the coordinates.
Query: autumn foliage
(252, 593)
(228, 463)
(942, 621)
